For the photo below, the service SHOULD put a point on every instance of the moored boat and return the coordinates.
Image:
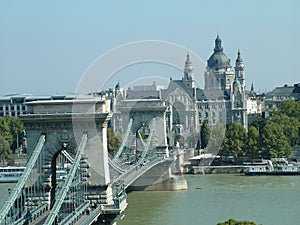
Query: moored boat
(10, 174)
(272, 167)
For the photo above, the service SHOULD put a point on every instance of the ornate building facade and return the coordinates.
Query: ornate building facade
(222, 100)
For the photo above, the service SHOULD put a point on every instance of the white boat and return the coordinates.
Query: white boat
(10, 174)
(61, 174)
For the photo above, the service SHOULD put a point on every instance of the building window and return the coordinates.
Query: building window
(206, 114)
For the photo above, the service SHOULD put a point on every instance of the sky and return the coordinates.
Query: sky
(46, 47)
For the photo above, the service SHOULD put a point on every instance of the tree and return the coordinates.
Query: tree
(259, 124)
(234, 141)
(290, 126)
(113, 141)
(204, 135)
(4, 149)
(274, 143)
(288, 108)
(5, 130)
(11, 129)
(235, 222)
(252, 144)
(16, 128)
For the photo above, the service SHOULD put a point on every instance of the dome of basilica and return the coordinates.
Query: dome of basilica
(218, 60)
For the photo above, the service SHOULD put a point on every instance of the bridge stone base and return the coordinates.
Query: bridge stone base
(143, 112)
(63, 123)
(159, 178)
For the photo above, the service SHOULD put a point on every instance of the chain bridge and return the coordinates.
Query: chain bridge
(70, 178)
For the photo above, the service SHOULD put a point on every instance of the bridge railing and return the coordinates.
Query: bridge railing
(115, 166)
(136, 171)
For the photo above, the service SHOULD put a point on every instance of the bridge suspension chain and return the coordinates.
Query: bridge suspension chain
(115, 166)
(141, 139)
(117, 155)
(21, 183)
(57, 205)
(152, 126)
(68, 156)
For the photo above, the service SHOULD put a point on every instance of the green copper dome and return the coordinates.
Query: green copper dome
(218, 59)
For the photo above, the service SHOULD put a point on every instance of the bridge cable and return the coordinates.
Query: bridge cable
(53, 213)
(152, 126)
(21, 183)
(117, 155)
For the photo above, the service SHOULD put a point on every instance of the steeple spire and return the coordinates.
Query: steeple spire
(188, 68)
(188, 72)
(218, 45)
(187, 55)
(252, 87)
(239, 58)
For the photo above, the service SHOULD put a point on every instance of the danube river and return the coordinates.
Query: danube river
(267, 200)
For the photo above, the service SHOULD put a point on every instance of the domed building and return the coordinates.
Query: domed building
(218, 59)
(223, 98)
(221, 101)
(219, 73)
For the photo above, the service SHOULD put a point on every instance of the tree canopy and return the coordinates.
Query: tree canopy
(204, 134)
(4, 149)
(11, 129)
(235, 222)
(288, 108)
(234, 140)
(113, 141)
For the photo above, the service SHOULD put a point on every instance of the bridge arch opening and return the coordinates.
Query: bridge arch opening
(54, 177)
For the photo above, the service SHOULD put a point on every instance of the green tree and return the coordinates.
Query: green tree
(16, 128)
(204, 134)
(234, 141)
(259, 124)
(235, 222)
(113, 141)
(290, 125)
(274, 142)
(5, 130)
(4, 149)
(252, 144)
(288, 108)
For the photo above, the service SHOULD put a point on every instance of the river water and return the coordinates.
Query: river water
(267, 200)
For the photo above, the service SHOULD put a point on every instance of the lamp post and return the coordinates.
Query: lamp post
(136, 145)
(136, 142)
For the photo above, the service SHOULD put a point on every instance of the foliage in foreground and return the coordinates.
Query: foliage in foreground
(235, 222)
(113, 141)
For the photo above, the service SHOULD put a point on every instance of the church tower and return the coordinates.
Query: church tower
(237, 94)
(239, 69)
(188, 77)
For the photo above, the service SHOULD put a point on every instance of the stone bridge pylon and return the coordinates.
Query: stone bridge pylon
(63, 122)
(147, 115)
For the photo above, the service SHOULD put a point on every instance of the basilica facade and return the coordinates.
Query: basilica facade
(222, 100)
